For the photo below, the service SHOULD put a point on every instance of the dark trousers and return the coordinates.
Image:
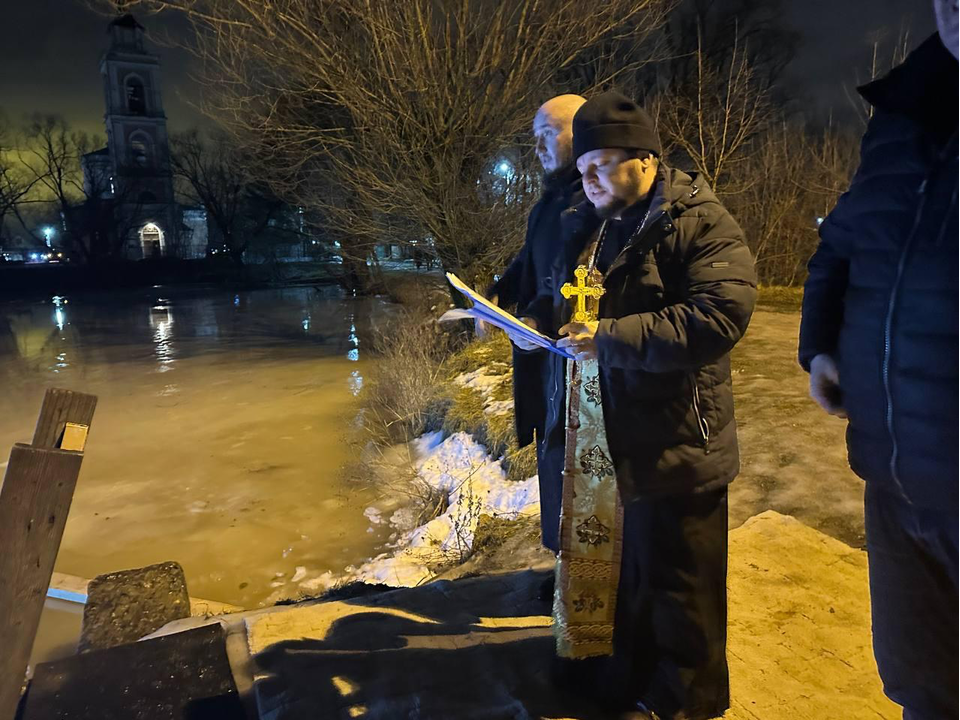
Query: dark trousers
(550, 474)
(671, 626)
(913, 593)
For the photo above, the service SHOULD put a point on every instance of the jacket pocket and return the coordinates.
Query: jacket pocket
(699, 415)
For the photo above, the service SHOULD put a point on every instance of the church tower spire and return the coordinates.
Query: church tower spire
(137, 140)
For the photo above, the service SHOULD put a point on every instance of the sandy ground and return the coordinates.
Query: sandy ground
(793, 455)
(481, 647)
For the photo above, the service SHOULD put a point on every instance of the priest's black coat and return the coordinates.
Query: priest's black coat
(678, 297)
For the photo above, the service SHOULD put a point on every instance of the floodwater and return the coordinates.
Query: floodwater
(218, 439)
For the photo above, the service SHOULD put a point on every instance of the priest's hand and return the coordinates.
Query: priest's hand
(580, 339)
(481, 328)
(521, 342)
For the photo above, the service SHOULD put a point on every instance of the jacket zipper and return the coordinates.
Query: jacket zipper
(888, 339)
(702, 423)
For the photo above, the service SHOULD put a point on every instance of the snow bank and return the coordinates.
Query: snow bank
(475, 485)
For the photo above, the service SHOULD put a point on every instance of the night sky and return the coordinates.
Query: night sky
(50, 49)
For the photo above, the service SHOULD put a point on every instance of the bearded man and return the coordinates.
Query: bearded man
(677, 287)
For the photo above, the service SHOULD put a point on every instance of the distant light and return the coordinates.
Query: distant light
(819, 221)
(34, 256)
(505, 168)
(48, 233)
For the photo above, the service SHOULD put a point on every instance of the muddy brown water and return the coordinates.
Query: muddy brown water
(218, 440)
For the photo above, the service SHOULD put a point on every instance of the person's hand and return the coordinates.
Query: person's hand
(521, 342)
(481, 328)
(825, 385)
(580, 339)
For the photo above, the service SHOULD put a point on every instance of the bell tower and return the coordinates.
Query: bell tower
(137, 142)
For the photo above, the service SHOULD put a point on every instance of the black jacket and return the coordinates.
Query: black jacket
(679, 297)
(526, 277)
(881, 296)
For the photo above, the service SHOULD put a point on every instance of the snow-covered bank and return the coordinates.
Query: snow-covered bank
(475, 484)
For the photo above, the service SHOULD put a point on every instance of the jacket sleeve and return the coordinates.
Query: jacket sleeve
(507, 288)
(829, 268)
(720, 293)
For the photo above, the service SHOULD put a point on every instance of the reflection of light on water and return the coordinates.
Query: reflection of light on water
(236, 301)
(161, 320)
(355, 382)
(306, 323)
(61, 363)
(354, 354)
(59, 316)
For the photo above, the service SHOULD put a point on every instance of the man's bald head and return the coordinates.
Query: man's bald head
(553, 132)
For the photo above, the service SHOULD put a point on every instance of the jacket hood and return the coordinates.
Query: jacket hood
(916, 88)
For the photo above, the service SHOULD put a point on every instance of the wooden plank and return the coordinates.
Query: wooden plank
(34, 500)
(60, 407)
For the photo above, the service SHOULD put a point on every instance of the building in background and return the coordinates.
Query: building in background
(133, 170)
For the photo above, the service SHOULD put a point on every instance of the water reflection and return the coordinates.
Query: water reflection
(353, 354)
(161, 320)
(355, 382)
(59, 316)
(163, 327)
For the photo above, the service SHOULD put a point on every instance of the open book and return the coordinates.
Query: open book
(486, 311)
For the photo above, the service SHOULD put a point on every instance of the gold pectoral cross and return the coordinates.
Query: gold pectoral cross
(581, 291)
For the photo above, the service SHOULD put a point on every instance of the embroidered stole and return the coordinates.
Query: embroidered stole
(591, 524)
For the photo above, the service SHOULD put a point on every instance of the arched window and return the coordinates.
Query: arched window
(136, 97)
(141, 150)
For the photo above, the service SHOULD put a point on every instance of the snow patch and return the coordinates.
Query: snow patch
(485, 383)
(475, 484)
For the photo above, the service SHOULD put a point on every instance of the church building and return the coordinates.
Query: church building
(134, 168)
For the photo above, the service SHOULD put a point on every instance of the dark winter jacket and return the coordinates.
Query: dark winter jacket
(881, 297)
(678, 298)
(524, 279)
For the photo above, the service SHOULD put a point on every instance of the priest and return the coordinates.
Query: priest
(651, 440)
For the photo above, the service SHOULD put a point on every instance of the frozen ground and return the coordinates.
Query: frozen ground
(793, 455)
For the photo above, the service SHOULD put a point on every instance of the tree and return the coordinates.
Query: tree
(16, 183)
(711, 117)
(385, 114)
(97, 216)
(213, 172)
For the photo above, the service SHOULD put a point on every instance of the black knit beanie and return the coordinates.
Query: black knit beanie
(612, 120)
